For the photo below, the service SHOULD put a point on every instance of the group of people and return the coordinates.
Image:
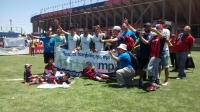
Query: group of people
(151, 47)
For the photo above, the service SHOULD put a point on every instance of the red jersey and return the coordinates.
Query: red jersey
(89, 72)
(183, 41)
(156, 46)
(172, 48)
(48, 68)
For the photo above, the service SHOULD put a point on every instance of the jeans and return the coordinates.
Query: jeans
(181, 59)
(153, 68)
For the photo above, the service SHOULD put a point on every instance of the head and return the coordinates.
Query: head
(97, 31)
(88, 64)
(54, 70)
(58, 31)
(109, 33)
(122, 48)
(85, 30)
(147, 27)
(72, 30)
(159, 27)
(49, 33)
(186, 30)
(50, 61)
(173, 36)
(27, 67)
(116, 30)
(124, 27)
(160, 21)
(66, 76)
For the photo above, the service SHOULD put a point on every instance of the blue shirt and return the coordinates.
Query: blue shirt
(48, 44)
(125, 60)
(121, 39)
(144, 48)
(130, 33)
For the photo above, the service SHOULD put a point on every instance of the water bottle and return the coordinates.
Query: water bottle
(64, 85)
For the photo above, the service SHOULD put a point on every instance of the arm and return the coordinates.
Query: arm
(54, 81)
(58, 25)
(142, 39)
(129, 26)
(110, 40)
(33, 37)
(157, 32)
(113, 56)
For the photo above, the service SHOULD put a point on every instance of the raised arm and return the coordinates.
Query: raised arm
(129, 26)
(33, 37)
(58, 25)
(157, 32)
(109, 40)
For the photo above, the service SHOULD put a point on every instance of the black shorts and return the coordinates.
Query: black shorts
(48, 56)
(143, 62)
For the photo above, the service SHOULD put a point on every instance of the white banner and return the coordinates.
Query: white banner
(14, 46)
(76, 61)
(14, 42)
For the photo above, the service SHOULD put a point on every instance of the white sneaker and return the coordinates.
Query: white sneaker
(165, 84)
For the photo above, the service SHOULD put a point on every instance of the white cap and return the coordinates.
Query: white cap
(116, 28)
(123, 46)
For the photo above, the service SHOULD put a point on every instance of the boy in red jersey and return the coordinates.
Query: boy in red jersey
(156, 49)
(91, 73)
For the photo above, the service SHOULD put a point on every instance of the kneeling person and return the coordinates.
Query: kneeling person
(126, 72)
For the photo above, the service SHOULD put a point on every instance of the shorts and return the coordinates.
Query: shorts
(164, 60)
(143, 62)
(47, 56)
(97, 75)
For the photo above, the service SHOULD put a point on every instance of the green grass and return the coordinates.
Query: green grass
(91, 96)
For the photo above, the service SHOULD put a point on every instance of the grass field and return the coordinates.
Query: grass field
(90, 96)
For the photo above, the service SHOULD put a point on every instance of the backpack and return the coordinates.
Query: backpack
(134, 61)
(129, 42)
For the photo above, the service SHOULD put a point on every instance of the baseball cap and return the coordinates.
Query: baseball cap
(27, 65)
(159, 25)
(116, 28)
(147, 24)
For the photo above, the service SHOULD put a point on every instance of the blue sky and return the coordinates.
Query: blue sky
(20, 11)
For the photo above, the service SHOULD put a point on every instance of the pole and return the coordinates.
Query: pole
(190, 10)
(11, 25)
(70, 15)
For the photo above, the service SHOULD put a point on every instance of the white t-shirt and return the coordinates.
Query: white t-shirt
(86, 41)
(59, 40)
(72, 41)
(99, 46)
(166, 33)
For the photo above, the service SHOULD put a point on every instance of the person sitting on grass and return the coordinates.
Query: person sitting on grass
(50, 77)
(63, 79)
(49, 67)
(28, 77)
(91, 73)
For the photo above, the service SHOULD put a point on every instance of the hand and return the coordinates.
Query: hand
(141, 34)
(126, 21)
(78, 48)
(58, 47)
(50, 28)
(153, 29)
(108, 44)
(101, 41)
(56, 21)
(95, 50)
(111, 53)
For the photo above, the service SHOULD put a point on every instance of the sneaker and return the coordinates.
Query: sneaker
(122, 86)
(150, 88)
(179, 78)
(31, 83)
(165, 84)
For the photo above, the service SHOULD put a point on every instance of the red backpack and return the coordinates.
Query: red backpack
(129, 42)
